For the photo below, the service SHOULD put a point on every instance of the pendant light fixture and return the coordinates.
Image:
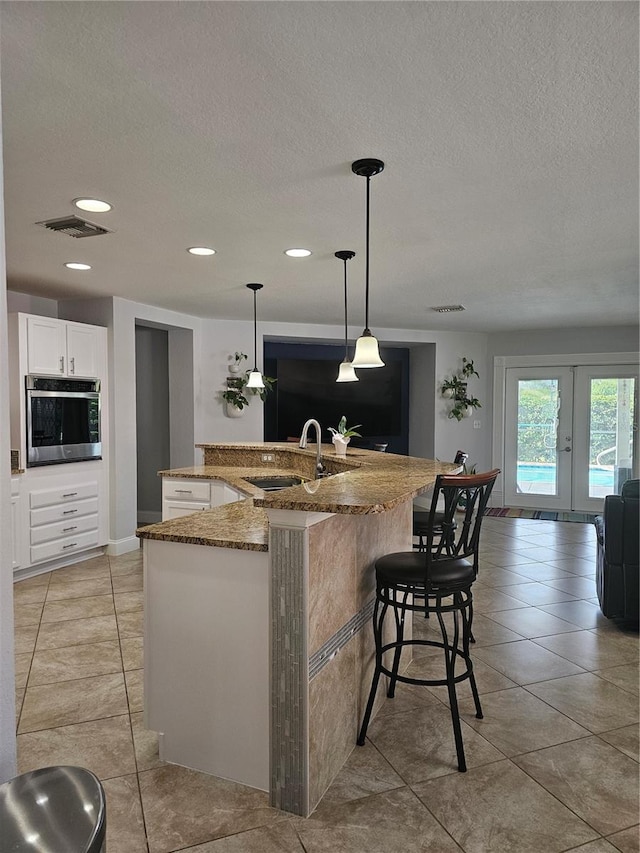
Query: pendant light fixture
(255, 377)
(346, 373)
(367, 354)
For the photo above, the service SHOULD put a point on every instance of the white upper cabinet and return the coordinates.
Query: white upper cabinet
(58, 348)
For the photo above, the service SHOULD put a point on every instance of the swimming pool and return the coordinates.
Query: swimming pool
(541, 473)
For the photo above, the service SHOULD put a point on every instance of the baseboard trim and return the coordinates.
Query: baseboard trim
(123, 546)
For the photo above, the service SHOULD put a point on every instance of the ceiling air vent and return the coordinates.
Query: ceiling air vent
(74, 227)
(447, 309)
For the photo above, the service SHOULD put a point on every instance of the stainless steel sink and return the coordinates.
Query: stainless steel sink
(272, 484)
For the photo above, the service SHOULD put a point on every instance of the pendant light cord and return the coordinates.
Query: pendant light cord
(366, 291)
(346, 344)
(255, 334)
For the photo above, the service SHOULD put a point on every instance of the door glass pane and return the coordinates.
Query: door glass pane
(538, 405)
(611, 420)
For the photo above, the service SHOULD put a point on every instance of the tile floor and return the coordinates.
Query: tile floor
(553, 766)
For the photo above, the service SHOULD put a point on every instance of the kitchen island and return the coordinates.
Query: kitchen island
(258, 651)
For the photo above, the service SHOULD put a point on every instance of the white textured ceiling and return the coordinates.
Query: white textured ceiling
(509, 132)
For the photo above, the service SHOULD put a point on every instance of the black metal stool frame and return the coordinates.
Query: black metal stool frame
(450, 546)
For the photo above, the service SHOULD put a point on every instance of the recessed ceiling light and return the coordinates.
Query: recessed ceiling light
(201, 250)
(92, 204)
(298, 253)
(76, 266)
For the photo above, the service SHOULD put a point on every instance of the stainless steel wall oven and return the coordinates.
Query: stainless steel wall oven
(63, 420)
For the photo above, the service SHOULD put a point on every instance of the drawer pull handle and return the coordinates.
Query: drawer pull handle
(69, 511)
(66, 529)
(72, 545)
(183, 491)
(70, 495)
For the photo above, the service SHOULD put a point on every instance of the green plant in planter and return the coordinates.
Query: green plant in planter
(455, 388)
(342, 430)
(235, 393)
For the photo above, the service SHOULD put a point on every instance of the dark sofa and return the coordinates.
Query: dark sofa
(617, 567)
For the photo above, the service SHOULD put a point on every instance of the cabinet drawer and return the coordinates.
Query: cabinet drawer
(62, 529)
(63, 494)
(63, 547)
(62, 512)
(185, 490)
(177, 509)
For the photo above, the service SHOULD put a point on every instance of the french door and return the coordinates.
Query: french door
(570, 435)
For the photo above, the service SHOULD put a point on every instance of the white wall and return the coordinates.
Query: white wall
(152, 419)
(7, 671)
(23, 302)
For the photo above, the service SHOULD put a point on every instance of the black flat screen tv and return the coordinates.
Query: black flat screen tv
(306, 387)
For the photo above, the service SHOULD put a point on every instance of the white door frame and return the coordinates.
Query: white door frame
(500, 365)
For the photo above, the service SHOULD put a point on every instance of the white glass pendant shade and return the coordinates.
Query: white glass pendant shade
(255, 380)
(367, 354)
(346, 373)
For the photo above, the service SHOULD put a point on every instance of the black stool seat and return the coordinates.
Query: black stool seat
(437, 579)
(407, 567)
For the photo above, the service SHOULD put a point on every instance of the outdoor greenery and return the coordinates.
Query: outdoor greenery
(537, 420)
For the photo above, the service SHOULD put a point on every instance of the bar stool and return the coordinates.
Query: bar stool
(421, 518)
(436, 580)
(53, 810)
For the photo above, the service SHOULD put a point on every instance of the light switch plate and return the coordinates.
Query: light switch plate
(476, 424)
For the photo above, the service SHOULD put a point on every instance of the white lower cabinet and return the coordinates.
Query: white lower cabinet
(185, 496)
(63, 520)
(16, 527)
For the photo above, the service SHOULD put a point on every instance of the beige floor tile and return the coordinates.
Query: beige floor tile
(103, 746)
(576, 565)
(130, 624)
(183, 808)
(592, 649)
(365, 772)
(532, 622)
(592, 778)
(77, 632)
(85, 588)
(506, 559)
(600, 845)
(625, 739)
(541, 572)
(488, 600)
(70, 702)
(132, 652)
(23, 665)
(25, 638)
(127, 602)
(430, 665)
(37, 580)
(538, 553)
(538, 593)
(516, 722)
(134, 681)
(625, 676)
(627, 841)
(580, 613)
(71, 662)
(395, 820)
(486, 630)
(87, 569)
(127, 583)
(125, 826)
(78, 608)
(29, 594)
(504, 811)
(280, 838)
(592, 702)
(125, 567)
(26, 614)
(20, 691)
(495, 577)
(524, 662)
(581, 587)
(145, 743)
(430, 751)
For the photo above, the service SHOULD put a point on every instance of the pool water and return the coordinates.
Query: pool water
(546, 474)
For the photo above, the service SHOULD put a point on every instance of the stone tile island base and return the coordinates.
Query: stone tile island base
(322, 650)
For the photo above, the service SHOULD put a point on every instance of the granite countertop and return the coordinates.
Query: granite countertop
(370, 482)
(235, 525)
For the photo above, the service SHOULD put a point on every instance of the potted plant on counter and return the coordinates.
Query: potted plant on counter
(341, 436)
